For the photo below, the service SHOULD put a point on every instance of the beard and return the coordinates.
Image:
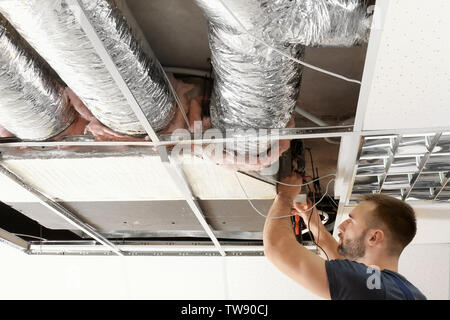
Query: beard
(353, 249)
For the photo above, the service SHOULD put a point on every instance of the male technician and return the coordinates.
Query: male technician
(362, 265)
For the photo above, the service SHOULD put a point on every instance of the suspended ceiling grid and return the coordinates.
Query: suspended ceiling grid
(352, 141)
(136, 194)
(89, 188)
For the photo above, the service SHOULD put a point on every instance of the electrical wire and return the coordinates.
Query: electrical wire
(301, 185)
(308, 228)
(291, 215)
(318, 233)
(314, 175)
(318, 183)
(315, 171)
(175, 95)
(332, 200)
(285, 54)
(324, 221)
(28, 236)
(312, 162)
(318, 229)
(309, 222)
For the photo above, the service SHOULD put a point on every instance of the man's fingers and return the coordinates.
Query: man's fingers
(291, 123)
(301, 206)
(304, 206)
(295, 179)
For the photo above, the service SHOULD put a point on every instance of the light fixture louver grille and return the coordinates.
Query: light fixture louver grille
(408, 167)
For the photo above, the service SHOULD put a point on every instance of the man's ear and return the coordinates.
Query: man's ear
(375, 237)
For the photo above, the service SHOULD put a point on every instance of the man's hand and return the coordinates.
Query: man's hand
(246, 163)
(292, 187)
(304, 210)
(320, 233)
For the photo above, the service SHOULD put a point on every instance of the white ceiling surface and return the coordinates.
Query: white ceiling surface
(210, 181)
(411, 82)
(134, 178)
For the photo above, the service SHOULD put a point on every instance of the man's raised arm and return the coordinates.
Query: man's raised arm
(283, 250)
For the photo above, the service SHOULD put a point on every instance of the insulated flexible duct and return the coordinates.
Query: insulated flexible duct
(54, 31)
(255, 87)
(33, 105)
(319, 23)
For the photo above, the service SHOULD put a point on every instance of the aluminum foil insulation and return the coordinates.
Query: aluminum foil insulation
(54, 31)
(255, 87)
(33, 105)
(324, 23)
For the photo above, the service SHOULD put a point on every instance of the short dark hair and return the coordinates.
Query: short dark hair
(398, 217)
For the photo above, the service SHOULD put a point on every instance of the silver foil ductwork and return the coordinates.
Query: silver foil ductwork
(33, 105)
(319, 23)
(52, 28)
(255, 87)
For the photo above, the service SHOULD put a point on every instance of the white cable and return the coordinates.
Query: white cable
(324, 221)
(291, 215)
(188, 71)
(28, 236)
(174, 92)
(325, 216)
(285, 54)
(300, 185)
(333, 201)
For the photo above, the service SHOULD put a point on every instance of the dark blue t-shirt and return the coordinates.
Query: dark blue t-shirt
(350, 280)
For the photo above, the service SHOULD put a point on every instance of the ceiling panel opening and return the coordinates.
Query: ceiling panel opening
(111, 170)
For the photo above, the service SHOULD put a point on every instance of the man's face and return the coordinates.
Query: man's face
(352, 232)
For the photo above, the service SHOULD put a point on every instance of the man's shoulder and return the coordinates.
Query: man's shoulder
(418, 295)
(348, 268)
(354, 280)
(349, 279)
(347, 264)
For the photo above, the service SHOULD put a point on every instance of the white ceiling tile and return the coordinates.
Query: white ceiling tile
(411, 84)
(95, 179)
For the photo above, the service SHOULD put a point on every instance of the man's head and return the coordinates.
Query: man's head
(379, 223)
